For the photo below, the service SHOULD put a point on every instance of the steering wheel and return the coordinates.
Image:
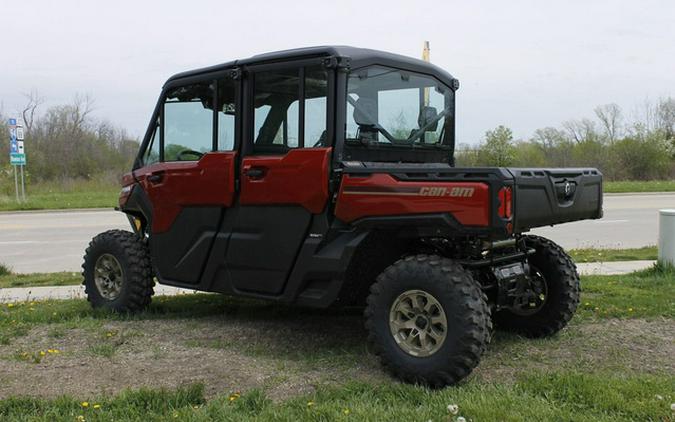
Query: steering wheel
(185, 152)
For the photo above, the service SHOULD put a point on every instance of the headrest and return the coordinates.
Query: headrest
(365, 111)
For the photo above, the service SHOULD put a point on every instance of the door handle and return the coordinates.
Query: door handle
(255, 172)
(156, 177)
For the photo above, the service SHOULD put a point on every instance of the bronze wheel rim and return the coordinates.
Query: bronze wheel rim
(108, 276)
(418, 323)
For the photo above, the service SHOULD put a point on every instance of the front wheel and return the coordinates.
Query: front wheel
(428, 320)
(117, 272)
(557, 276)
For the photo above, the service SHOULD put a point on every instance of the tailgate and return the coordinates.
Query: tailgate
(551, 196)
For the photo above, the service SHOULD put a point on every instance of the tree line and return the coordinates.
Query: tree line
(640, 149)
(67, 142)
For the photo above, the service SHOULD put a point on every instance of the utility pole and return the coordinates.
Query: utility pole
(425, 57)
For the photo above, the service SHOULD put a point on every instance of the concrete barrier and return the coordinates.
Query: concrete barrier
(667, 236)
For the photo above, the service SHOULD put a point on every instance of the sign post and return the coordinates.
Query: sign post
(17, 156)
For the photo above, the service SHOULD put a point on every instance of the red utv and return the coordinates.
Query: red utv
(325, 176)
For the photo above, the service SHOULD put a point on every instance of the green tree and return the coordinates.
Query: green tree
(530, 154)
(498, 149)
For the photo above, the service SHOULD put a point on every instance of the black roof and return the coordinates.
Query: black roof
(359, 57)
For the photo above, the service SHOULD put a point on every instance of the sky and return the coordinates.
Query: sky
(523, 64)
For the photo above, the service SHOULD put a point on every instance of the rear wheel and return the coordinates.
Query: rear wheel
(555, 292)
(428, 320)
(117, 272)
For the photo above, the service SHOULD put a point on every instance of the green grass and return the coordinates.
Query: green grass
(628, 186)
(8, 279)
(607, 255)
(536, 396)
(69, 194)
(643, 294)
(561, 394)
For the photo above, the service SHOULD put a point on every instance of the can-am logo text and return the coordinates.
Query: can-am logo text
(456, 192)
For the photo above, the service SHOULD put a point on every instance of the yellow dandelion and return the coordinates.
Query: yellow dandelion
(587, 304)
(10, 305)
(310, 403)
(630, 309)
(346, 411)
(96, 406)
(84, 404)
(42, 353)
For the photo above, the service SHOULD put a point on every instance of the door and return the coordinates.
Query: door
(189, 175)
(284, 174)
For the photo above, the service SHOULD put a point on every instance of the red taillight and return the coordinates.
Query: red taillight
(505, 202)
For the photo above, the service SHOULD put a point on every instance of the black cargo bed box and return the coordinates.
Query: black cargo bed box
(544, 197)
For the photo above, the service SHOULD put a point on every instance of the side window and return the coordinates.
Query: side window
(316, 93)
(275, 119)
(188, 122)
(152, 152)
(226, 114)
(289, 110)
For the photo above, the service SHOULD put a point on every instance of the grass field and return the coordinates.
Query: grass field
(209, 357)
(606, 255)
(70, 194)
(95, 194)
(39, 279)
(629, 186)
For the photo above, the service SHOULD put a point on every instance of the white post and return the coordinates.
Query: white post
(16, 184)
(667, 236)
(23, 186)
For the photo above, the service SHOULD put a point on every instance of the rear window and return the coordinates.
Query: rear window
(391, 107)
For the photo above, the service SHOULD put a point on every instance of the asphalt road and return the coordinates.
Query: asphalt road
(56, 240)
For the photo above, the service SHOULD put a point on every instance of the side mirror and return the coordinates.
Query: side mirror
(427, 115)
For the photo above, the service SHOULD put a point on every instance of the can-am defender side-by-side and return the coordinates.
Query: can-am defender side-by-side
(325, 176)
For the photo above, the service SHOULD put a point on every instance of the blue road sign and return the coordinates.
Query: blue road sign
(12, 122)
(13, 146)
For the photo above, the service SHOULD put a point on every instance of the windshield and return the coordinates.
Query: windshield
(391, 107)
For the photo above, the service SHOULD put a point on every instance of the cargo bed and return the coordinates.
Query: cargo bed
(544, 197)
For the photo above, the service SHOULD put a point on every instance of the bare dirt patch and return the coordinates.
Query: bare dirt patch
(287, 353)
(620, 346)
